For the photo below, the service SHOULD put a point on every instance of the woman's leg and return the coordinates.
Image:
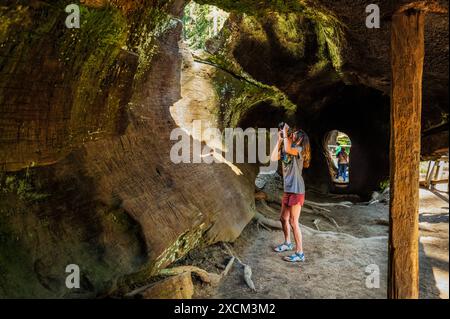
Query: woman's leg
(295, 215)
(285, 216)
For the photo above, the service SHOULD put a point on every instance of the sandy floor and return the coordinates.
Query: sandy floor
(336, 259)
(434, 242)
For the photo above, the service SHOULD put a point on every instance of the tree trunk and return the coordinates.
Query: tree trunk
(407, 44)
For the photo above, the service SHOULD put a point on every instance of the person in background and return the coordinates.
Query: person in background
(336, 153)
(338, 148)
(342, 157)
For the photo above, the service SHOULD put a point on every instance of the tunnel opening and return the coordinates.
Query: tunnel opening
(368, 128)
(338, 148)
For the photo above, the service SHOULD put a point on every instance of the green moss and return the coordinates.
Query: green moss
(12, 17)
(92, 51)
(238, 93)
(182, 245)
(332, 38)
(146, 26)
(38, 239)
(293, 26)
(22, 185)
(252, 26)
(329, 30)
(89, 60)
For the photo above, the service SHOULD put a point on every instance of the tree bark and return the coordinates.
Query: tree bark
(407, 55)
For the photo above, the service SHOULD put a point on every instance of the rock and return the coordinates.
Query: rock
(175, 287)
(260, 182)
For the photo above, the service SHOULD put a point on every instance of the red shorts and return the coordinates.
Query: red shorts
(290, 199)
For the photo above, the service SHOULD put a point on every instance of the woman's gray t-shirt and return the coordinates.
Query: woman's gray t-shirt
(292, 172)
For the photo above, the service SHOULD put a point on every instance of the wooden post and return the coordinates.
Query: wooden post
(407, 55)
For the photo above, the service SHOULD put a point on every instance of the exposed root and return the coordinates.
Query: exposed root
(247, 270)
(265, 209)
(307, 230)
(263, 226)
(316, 223)
(203, 275)
(268, 222)
(228, 267)
(206, 277)
(340, 204)
(248, 277)
(315, 207)
(331, 219)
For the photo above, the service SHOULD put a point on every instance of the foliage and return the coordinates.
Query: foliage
(343, 139)
(202, 22)
(384, 185)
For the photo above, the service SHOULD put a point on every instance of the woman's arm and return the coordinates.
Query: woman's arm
(287, 146)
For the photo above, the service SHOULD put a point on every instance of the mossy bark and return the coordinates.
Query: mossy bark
(77, 81)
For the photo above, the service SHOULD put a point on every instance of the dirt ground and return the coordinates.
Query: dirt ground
(336, 258)
(434, 242)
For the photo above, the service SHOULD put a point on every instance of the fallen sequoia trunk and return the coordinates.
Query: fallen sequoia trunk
(116, 206)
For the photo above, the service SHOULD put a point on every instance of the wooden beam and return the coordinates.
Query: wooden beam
(440, 181)
(407, 55)
(437, 174)
(430, 173)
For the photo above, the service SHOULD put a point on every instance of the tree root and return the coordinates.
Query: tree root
(228, 267)
(206, 277)
(267, 221)
(314, 207)
(331, 219)
(305, 229)
(316, 223)
(340, 204)
(203, 275)
(247, 270)
(266, 209)
(263, 226)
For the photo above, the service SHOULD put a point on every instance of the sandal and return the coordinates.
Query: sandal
(297, 257)
(284, 247)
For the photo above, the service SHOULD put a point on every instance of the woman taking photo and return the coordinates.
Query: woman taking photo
(294, 150)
